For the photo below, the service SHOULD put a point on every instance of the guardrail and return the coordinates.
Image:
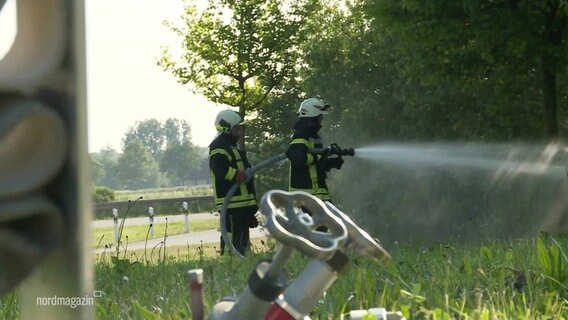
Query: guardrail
(139, 207)
(149, 202)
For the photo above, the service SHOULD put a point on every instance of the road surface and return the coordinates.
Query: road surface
(191, 238)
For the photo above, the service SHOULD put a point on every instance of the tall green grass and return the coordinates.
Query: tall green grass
(524, 279)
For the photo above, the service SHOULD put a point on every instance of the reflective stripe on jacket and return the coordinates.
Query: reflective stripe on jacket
(224, 161)
(307, 170)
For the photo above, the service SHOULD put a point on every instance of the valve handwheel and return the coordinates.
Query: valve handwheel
(290, 225)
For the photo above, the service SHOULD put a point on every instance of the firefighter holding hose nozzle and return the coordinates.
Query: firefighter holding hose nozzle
(309, 159)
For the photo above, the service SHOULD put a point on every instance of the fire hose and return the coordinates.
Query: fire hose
(249, 173)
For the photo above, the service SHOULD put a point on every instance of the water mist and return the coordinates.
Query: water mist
(439, 191)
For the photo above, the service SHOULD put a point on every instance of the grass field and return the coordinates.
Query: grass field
(503, 280)
(524, 279)
(162, 193)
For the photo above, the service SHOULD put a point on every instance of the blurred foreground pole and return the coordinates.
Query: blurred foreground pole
(45, 204)
(195, 284)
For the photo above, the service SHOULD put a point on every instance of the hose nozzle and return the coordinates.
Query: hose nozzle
(335, 149)
(348, 152)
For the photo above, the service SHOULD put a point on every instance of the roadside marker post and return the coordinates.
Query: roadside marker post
(186, 215)
(115, 224)
(151, 213)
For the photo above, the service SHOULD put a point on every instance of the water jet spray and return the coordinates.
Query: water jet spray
(500, 158)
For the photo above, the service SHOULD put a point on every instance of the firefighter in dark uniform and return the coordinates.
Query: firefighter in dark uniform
(309, 160)
(228, 165)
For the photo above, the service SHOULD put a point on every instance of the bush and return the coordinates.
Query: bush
(103, 194)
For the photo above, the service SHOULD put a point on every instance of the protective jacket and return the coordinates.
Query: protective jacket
(308, 163)
(224, 161)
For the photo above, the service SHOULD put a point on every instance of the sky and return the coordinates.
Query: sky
(124, 39)
(124, 84)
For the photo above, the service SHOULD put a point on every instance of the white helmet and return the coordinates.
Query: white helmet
(312, 107)
(227, 120)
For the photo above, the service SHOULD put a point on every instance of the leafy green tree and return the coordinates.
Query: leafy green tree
(176, 132)
(270, 134)
(354, 69)
(97, 171)
(150, 133)
(179, 160)
(201, 174)
(108, 158)
(508, 55)
(136, 167)
(170, 145)
(237, 53)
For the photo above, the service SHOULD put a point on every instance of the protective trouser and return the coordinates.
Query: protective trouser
(238, 225)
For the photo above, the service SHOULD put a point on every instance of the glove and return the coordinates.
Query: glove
(240, 177)
(318, 157)
(335, 163)
(334, 149)
(253, 222)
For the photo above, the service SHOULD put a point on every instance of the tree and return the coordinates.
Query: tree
(108, 158)
(179, 160)
(176, 132)
(510, 51)
(202, 173)
(97, 171)
(383, 85)
(354, 69)
(136, 167)
(238, 52)
(150, 133)
(270, 135)
(170, 145)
